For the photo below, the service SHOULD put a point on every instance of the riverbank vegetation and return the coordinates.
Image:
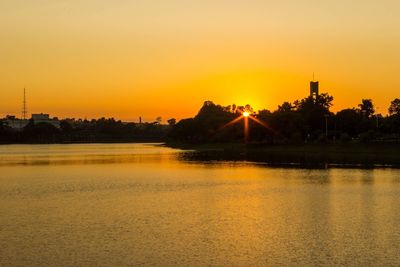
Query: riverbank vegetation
(305, 121)
(85, 131)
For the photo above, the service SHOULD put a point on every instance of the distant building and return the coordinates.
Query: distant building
(37, 118)
(45, 118)
(314, 89)
(14, 123)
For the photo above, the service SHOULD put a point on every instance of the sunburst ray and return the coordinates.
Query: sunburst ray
(262, 124)
(231, 122)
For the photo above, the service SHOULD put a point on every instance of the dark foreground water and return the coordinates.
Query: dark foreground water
(141, 204)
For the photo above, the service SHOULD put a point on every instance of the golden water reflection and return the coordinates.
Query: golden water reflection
(136, 204)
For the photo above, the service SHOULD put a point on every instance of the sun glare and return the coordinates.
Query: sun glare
(246, 114)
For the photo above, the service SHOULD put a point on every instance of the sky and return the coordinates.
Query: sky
(150, 58)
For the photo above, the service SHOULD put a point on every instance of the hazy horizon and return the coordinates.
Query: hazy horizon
(126, 59)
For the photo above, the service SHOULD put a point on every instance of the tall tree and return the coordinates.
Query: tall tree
(285, 107)
(347, 121)
(394, 108)
(172, 122)
(367, 107)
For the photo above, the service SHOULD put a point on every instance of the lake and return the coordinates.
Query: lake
(145, 204)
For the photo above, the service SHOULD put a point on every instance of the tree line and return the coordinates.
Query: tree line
(308, 120)
(85, 131)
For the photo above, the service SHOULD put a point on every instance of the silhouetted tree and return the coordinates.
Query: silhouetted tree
(288, 125)
(158, 120)
(367, 107)
(324, 101)
(347, 122)
(234, 107)
(206, 126)
(248, 108)
(172, 122)
(394, 108)
(285, 107)
(65, 126)
(313, 114)
(41, 133)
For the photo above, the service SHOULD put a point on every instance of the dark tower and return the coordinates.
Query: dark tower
(314, 89)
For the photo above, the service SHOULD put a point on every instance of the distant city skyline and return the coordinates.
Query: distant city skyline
(126, 59)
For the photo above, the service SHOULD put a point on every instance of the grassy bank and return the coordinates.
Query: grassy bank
(355, 154)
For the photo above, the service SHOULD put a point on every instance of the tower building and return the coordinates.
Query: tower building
(314, 89)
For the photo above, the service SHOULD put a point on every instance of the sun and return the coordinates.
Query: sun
(246, 114)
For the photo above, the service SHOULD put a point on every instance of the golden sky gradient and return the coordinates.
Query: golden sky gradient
(149, 58)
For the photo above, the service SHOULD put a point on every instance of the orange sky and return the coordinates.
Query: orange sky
(164, 58)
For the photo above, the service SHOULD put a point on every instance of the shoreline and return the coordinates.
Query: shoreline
(82, 143)
(304, 155)
(353, 155)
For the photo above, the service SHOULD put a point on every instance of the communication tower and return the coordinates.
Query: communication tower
(24, 106)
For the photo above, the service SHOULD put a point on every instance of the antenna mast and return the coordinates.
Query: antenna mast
(24, 109)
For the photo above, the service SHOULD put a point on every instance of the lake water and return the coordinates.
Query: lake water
(144, 204)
